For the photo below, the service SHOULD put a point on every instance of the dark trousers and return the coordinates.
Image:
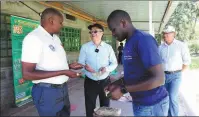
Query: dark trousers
(91, 90)
(51, 101)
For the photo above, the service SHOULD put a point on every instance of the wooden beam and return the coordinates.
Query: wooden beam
(165, 13)
(148, 21)
(72, 12)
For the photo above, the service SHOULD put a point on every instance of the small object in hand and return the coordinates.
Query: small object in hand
(119, 82)
(107, 111)
(108, 94)
(21, 81)
(76, 66)
(109, 91)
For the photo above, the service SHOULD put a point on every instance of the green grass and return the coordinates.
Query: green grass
(194, 63)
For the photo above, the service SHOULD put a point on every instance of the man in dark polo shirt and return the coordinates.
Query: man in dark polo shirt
(143, 73)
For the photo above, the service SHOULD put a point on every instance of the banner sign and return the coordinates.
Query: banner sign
(20, 27)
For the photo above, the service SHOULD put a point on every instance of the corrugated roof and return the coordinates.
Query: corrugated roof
(138, 10)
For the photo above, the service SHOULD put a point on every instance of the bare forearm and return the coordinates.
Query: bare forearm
(146, 85)
(37, 74)
(184, 67)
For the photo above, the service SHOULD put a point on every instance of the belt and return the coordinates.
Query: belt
(171, 72)
(51, 85)
(97, 81)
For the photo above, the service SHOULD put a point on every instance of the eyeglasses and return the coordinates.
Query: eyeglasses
(91, 32)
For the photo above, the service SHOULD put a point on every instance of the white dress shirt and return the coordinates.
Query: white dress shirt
(47, 52)
(174, 55)
(104, 58)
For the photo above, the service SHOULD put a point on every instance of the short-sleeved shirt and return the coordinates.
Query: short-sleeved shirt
(47, 52)
(141, 53)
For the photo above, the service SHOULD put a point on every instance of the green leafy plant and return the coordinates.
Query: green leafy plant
(194, 48)
(184, 20)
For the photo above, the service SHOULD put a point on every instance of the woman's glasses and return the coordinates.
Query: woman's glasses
(91, 32)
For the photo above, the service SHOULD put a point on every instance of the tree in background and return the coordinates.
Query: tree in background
(184, 20)
(158, 38)
(194, 48)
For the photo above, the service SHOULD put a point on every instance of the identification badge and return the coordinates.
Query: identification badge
(52, 47)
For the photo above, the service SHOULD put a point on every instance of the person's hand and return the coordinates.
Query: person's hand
(115, 92)
(90, 69)
(72, 74)
(102, 69)
(75, 66)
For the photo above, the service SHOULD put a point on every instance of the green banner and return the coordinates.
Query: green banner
(20, 27)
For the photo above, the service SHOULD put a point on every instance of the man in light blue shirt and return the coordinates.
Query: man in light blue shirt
(99, 60)
(176, 58)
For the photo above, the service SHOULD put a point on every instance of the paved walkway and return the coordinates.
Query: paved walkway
(189, 90)
(76, 94)
(77, 100)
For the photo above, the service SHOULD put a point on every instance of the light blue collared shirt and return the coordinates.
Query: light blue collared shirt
(104, 58)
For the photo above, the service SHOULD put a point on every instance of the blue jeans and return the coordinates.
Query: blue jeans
(51, 101)
(172, 85)
(159, 109)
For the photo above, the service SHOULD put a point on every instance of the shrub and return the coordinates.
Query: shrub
(194, 48)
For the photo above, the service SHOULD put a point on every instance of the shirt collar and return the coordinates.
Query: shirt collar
(101, 44)
(46, 33)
